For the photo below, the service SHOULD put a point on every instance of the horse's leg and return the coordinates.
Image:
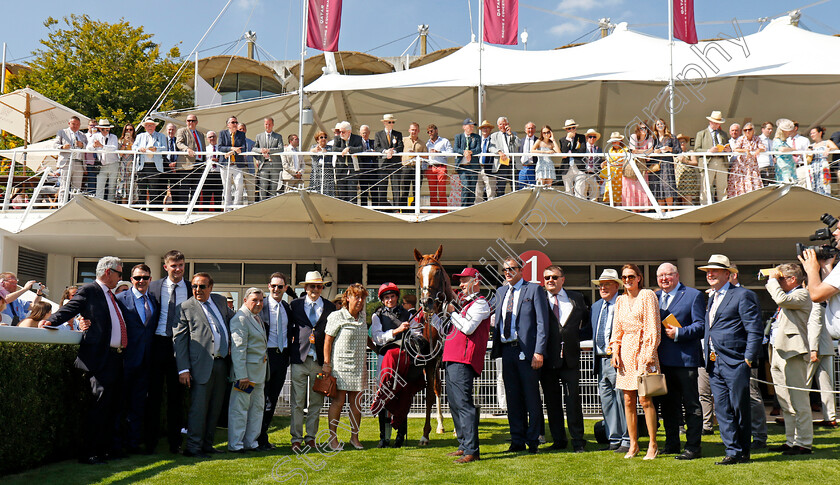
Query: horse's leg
(438, 392)
(427, 427)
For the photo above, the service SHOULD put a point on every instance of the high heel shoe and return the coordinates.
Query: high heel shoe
(631, 454)
(655, 454)
(358, 447)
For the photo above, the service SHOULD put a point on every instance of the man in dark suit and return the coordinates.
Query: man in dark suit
(680, 355)
(732, 344)
(367, 177)
(388, 142)
(569, 168)
(306, 355)
(202, 351)
(275, 315)
(347, 144)
(100, 356)
(568, 318)
(162, 367)
(519, 338)
(188, 139)
(466, 144)
(141, 315)
(233, 142)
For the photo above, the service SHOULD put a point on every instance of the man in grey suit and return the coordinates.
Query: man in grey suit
(713, 139)
(248, 371)
(503, 143)
(270, 165)
(71, 164)
(186, 173)
(202, 351)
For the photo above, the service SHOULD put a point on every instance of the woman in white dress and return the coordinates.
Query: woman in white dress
(544, 171)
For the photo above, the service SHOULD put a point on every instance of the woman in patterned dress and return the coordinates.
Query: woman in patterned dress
(544, 172)
(686, 173)
(611, 168)
(743, 173)
(322, 178)
(785, 168)
(344, 357)
(635, 340)
(820, 171)
(666, 185)
(633, 192)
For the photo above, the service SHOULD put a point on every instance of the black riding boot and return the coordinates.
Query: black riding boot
(384, 429)
(401, 431)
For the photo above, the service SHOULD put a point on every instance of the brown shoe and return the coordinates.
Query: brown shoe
(296, 446)
(311, 444)
(467, 459)
(456, 453)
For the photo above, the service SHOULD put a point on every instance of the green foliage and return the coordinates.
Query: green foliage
(105, 70)
(41, 405)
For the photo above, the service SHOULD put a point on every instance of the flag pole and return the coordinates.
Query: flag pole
(304, 10)
(671, 64)
(480, 54)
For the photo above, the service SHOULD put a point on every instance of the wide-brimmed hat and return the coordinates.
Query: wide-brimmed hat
(683, 137)
(147, 121)
(592, 131)
(615, 136)
(468, 121)
(718, 261)
(785, 124)
(608, 274)
(570, 123)
(389, 117)
(716, 117)
(103, 123)
(485, 124)
(312, 278)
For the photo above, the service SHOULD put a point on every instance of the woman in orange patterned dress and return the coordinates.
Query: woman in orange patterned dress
(635, 340)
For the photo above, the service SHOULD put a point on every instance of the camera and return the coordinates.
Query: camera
(824, 251)
(36, 286)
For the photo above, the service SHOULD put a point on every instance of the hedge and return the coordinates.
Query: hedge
(42, 401)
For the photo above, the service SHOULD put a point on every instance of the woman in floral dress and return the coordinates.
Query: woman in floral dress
(633, 192)
(611, 168)
(819, 170)
(785, 168)
(743, 173)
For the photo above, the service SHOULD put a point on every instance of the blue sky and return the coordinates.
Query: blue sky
(385, 27)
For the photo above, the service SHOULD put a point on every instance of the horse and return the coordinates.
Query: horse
(435, 293)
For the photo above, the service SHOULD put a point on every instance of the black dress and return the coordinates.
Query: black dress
(665, 184)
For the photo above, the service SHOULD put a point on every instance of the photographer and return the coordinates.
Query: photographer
(824, 290)
(17, 308)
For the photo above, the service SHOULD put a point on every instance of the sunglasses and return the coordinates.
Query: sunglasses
(748, 129)
(592, 136)
(322, 137)
(431, 131)
(507, 269)
(546, 133)
(113, 271)
(551, 277)
(390, 122)
(277, 286)
(629, 277)
(192, 121)
(141, 278)
(200, 287)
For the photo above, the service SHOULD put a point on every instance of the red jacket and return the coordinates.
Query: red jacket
(468, 349)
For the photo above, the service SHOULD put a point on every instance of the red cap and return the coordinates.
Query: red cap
(469, 272)
(386, 287)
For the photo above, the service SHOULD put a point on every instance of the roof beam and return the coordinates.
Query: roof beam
(125, 230)
(716, 231)
(514, 232)
(322, 233)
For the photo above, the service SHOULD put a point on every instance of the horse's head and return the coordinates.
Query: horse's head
(435, 285)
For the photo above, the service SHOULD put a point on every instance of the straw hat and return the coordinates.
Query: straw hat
(719, 261)
(570, 123)
(785, 124)
(716, 117)
(485, 124)
(103, 123)
(683, 137)
(592, 131)
(615, 136)
(608, 274)
(312, 278)
(389, 117)
(149, 120)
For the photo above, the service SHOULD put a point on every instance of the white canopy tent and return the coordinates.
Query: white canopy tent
(605, 84)
(32, 116)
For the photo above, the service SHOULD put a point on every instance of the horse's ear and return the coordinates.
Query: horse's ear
(438, 253)
(417, 255)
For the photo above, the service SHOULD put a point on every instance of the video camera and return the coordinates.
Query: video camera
(824, 251)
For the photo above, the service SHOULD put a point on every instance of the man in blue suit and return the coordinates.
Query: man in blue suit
(680, 355)
(519, 338)
(465, 145)
(612, 398)
(141, 316)
(732, 344)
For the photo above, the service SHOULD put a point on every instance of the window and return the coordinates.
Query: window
(401, 274)
(222, 273)
(257, 274)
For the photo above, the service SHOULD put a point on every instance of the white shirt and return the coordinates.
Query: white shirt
(832, 311)
(516, 290)
(765, 160)
(799, 142)
(565, 305)
(165, 292)
(379, 337)
(277, 331)
(110, 144)
(319, 309)
(116, 315)
(527, 146)
(442, 145)
(476, 313)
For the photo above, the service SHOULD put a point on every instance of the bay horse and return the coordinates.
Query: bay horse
(435, 293)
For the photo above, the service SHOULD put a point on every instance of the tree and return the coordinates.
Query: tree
(104, 70)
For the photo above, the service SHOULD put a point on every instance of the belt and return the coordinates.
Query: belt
(218, 358)
(514, 343)
(116, 350)
(276, 350)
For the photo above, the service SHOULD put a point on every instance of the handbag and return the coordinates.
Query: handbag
(628, 169)
(652, 385)
(325, 385)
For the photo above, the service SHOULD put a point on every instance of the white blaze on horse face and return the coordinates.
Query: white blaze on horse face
(425, 273)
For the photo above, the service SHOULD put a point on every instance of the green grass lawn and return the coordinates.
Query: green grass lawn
(415, 464)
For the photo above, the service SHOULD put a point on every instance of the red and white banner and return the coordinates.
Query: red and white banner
(501, 21)
(323, 25)
(684, 28)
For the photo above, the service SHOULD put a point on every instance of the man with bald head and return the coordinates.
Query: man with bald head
(680, 355)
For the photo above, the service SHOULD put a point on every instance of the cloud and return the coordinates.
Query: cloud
(248, 3)
(568, 28)
(578, 5)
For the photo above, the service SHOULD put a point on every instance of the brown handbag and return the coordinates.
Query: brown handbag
(652, 385)
(326, 385)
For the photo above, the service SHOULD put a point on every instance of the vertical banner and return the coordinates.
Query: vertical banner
(501, 21)
(323, 25)
(684, 28)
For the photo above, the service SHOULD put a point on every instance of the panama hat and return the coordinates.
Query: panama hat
(149, 120)
(103, 123)
(608, 274)
(683, 137)
(570, 123)
(715, 117)
(719, 261)
(592, 131)
(389, 117)
(312, 278)
(785, 124)
(615, 136)
(485, 124)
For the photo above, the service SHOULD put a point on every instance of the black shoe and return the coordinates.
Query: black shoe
(265, 447)
(580, 449)
(115, 455)
(622, 449)
(797, 450)
(213, 451)
(92, 460)
(708, 432)
(384, 444)
(533, 449)
(240, 451)
(172, 449)
(516, 448)
(558, 446)
(191, 454)
(611, 447)
(780, 448)
(688, 455)
(758, 445)
(670, 450)
(728, 460)
(398, 441)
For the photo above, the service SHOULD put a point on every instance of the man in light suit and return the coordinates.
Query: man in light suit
(71, 163)
(346, 143)
(141, 316)
(232, 142)
(293, 165)
(150, 170)
(270, 165)
(612, 398)
(248, 368)
(388, 141)
(680, 355)
(100, 357)
(275, 315)
(789, 357)
(187, 139)
(732, 343)
(503, 142)
(202, 350)
(712, 139)
(568, 325)
(520, 336)
(466, 144)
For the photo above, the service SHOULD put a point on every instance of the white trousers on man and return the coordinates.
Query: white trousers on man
(245, 415)
(233, 184)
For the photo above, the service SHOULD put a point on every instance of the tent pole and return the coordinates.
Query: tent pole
(3, 72)
(480, 54)
(195, 82)
(671, 64)
(303, 21)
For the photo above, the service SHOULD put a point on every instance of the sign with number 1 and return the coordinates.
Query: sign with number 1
(534, 264)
